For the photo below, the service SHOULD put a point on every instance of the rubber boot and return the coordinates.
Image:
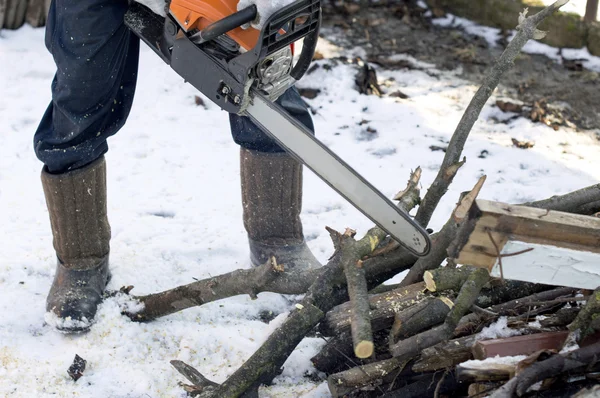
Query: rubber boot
(76, 203)
(272, 201)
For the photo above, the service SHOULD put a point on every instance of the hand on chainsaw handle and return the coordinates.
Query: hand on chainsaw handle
(264, 9)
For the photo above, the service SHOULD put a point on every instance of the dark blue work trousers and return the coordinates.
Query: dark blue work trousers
(97, 62)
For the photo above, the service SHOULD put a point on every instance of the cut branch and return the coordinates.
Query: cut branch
(362, 336)
(526, 30)
(551, 367)
(443, 239)
(410, 347)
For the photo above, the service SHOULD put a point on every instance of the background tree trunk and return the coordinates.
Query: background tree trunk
(591, 11)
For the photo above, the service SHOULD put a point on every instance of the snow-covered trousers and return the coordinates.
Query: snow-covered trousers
(92, 91)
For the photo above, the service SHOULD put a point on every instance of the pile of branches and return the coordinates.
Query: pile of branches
(408, 339)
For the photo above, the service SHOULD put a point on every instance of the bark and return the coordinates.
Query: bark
(362, 335)
(451, 162)
(584, 326)
(383, 307)
(328, 290)
(441, 279)
(343, 383)
(494, 372)
(591, 11)
(410, 347)
(445, 355)
(569, 202)
(551, 367)
(335, 354)
(447, 234)
(517, 305)
(270, 276)
(419, 317)
(427, 386)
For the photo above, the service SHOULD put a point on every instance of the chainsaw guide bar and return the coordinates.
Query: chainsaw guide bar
(244, 71)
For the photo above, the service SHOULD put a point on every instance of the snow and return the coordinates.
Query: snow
(497, 360)
(497, 330)
(264, 9)
(175, 214)
(157, 6)
(549, 264)
(491, 35)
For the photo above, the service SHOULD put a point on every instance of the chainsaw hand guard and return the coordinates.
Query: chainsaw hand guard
(210, 59)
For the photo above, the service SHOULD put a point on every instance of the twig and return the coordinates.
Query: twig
(443, 239)
(526, 30)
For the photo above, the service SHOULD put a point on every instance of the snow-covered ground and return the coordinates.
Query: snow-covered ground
(174, 206)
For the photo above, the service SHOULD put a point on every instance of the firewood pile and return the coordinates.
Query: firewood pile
(436, 333)
(427, 345)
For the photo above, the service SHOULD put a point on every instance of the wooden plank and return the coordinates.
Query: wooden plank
(519, 345)
(554, 227)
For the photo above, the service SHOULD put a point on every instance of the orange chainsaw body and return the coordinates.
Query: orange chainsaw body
(198, 14)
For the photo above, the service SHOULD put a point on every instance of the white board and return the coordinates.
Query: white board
(550, 265)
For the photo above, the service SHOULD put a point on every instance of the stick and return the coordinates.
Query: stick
(408, 348)
(362, 336)
(446, 235)
(569, 202)
(419, 317)
(551, 367)
(327, 291)
(526, 30)
(584, 326)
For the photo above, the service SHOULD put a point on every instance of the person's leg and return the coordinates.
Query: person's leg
(92, 92)
(272, 190)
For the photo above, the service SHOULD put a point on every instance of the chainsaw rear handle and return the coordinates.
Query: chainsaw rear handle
(224, 25)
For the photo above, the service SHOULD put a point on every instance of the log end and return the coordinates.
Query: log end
(429, 282)
(447, 301)
(364, 349)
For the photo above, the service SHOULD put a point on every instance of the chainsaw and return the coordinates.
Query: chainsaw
(243, 70)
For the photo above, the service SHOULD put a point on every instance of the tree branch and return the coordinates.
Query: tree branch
(526, 30)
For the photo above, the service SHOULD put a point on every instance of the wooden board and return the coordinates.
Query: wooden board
(566, 247)
(519, 345)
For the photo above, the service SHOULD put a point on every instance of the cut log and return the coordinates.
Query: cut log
(362, 335)
(419, 317)
(445, 355)
(348, 381)
(408, 348)
(383, 308)
(441, 279)
(519, 345)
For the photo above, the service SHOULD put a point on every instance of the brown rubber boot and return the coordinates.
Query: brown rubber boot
(76, 203)
(272, 201)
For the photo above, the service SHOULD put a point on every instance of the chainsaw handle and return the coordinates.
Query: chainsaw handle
(224, 25)
(306, 55)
